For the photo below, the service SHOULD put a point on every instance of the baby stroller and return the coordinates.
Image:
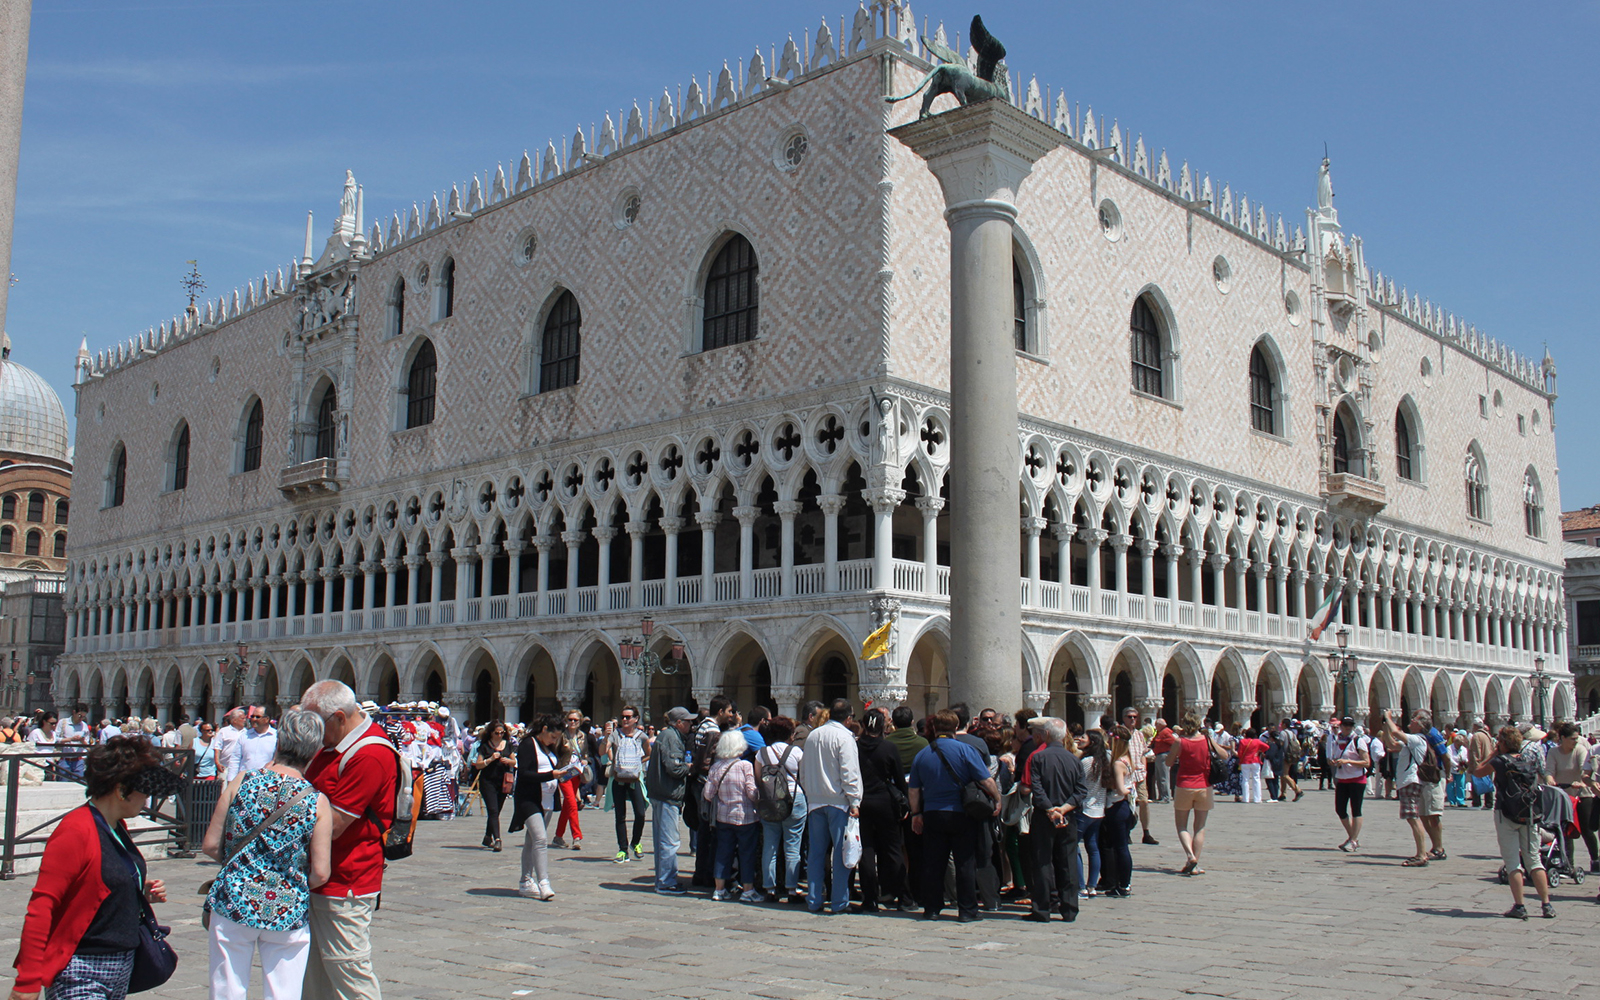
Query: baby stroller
(1554, 816)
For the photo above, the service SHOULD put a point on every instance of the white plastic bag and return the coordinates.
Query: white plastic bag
(852, 842)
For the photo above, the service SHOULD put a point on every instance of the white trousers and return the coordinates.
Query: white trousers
(1250, 781)
(283, 959)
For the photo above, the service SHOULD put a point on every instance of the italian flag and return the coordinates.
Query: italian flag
(1326, 612)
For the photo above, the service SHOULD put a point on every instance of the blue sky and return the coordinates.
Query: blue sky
(155, 131)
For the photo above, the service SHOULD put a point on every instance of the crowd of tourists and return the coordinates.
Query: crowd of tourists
(975, 812)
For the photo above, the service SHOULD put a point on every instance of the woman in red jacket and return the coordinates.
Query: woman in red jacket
(83, 919)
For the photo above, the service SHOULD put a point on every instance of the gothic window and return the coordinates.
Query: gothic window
(1144, 345)
(1532, 504)
(36, 506)
(32, 545)
(61, 511)
(420, 384)
(1263, 393)
(1404, 457)
(8, 506)
(731, 295)
(397, 307)
(252, 438)
(117, 477)
(1341, 444)
(326, 434)
(447, 288)
(1019, 300)
(560, 344)
(180, 459)
(1477, 484)
(59, 549)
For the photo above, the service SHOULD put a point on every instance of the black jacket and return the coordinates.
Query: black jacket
(1056, 777)
(880, 767)
(528, 793)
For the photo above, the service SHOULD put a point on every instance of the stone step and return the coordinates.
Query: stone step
(50, 804)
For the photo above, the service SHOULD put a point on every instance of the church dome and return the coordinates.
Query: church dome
(32, 419)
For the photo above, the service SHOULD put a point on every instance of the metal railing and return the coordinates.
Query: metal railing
(176, 822)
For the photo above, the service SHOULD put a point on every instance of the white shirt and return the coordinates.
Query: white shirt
(109, 731)
(171, 739)
(67, 730)
(831, 770)
(227, 746)
(256, 750)
(40, 738)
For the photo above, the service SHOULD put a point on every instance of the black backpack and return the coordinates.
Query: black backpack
(774, 800)
(1518, 788)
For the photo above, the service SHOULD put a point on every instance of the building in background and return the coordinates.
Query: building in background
(32, 634)
(1580, 530)
(694, 365)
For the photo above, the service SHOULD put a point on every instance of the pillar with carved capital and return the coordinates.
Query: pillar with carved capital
(884, 501)
(569, 699)
(1147, 573)
(484, 553)
(746, 516)
(603, 534)
(1032, 527)
(1149, 708)
(636, 531)
(1094, 706)
(788, 698)
(1173, 551)
(1093, 538)
(671, 526)
(707, 518)
(787, 510)
(831, 504)
(702, 695)
(980, 154)
(930, 508)
(436, 560)
(572, 537)
(511, 707)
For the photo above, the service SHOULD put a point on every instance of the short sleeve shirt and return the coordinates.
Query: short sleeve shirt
(939, 793)
(365, 789)
(1411, 753)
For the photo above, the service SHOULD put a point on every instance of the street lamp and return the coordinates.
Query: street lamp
(1541, 684)
(637, 658)
(233, 671)
(1342, 666)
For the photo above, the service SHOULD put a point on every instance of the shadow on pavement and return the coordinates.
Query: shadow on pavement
(493, 892)
(1439, 911)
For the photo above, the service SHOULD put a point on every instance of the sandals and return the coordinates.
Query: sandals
(1420, 861)
(1188, 869)
(1346, 847)
(1437, 854)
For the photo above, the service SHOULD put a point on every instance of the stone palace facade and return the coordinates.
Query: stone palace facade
(694, 365)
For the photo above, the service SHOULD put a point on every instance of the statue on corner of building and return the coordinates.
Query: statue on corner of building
(952, 76)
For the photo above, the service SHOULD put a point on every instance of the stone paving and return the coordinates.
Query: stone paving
(1280, 913)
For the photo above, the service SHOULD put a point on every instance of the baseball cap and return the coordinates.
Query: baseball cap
(1347, 721)
(678, 714)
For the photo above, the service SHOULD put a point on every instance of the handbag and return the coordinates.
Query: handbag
(154, 961)
(508, 781)
(1428, 767)
(974, 801)
(1219, 771)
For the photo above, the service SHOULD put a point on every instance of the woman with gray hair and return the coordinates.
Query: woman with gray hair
(272, 832)
(731, 788)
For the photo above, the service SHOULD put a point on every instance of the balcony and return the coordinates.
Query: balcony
(1356, 494)
(318, 476)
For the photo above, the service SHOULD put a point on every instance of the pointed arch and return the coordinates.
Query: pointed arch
(1410, 448)
(729, 293)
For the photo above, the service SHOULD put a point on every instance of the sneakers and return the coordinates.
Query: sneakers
(721, 895)
(621, 858)
(671, 890)
(1518, 912)
(638, 852)
(577, 843)
(752, 896)
(558, 844)
(529, 889)
(1548, 911)
(545, 892)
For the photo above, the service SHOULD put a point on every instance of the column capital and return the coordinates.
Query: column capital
(1063, 530)
(1034, 525)
(707, 519)
(1216, 560)
(569, 697)
(930, 505)
(636, 528)
(671, 525)
(413, 560)
(544, 543)
(1036, 700)
(980, 153)
(1148, 546)
(1148, 708)
(603, 533)
(1120, 542)
(390, 564)
(1172, 550)
(1094, 537)
(573, 537)
(831, 503)
(515, 547)
(1280, 573)
(435, 558)
(788, 509)
(347, 571)
(747, 515)
(885, 499)
(510, 699)
(485, 551)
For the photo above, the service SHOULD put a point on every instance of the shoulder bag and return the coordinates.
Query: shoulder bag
(243, 842)
(1428, 766)
(154, 961)
(1219, 771)
(974, 801)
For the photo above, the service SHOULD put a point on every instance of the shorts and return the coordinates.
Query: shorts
(1519, 844)
(1411, 801)
(1198, 799)
(1432, 798)
(1142, 796)
(1347, 798)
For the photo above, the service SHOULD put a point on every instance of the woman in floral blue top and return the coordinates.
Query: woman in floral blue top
(261, 895)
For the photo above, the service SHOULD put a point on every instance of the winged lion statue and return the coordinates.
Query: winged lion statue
(953, 76)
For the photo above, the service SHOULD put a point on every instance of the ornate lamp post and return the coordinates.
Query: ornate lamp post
(1541, 684)
(1342, 666)
(234, 670)
(637, 657)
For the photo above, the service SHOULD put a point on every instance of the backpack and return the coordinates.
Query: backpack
(1428, 768)
(1291, 746)
(397, 839)
(630, 770)
(774, 800)
(1518, 788)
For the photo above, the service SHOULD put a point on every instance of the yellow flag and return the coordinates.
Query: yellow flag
(877, 643)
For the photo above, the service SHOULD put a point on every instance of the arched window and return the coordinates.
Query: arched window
(1144, 346)
(36, 506)
(326, 436)
(731, 295)
(117, 477)
(32, 545)
(559, 346)
(397, 307)
(61, 512)
(1263, 393)
(1405, 465)
(60, 548)
(1341, 443)
(420, 383)
(1532, 504)
(180, 459)
(8, 506)
(447, 288)
(1019, 307)
(7, 538)
(251, 458)
(1477, 483)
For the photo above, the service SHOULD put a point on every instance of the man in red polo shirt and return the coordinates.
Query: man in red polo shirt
(359, 780)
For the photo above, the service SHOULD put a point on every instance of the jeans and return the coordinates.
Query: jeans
(825, 828)
(1089, 837)
(1055, 875)
(623, 793)
(283, 959)
(1250, 782)
(787, 835)
(664, 833)
(535, 850)
(1114, 854)
(743, 838)
(946, 833)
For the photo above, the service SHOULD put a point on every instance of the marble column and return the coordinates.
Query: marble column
(930, 508)
(707, 520)
(636, 532)
(884, 501)
(1032, 526)
(981, 153)
(604, 534)
(671, 526)
(1147, 574)
(746, 516)
(787, 510)
(511, 703)
(831, 504)
(14, 21)
(543, 544)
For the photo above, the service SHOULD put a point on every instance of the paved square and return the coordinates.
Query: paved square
(1279, 914)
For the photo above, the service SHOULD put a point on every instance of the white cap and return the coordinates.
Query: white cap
(444, 713)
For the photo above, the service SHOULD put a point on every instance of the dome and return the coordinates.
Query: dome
(32, 420)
